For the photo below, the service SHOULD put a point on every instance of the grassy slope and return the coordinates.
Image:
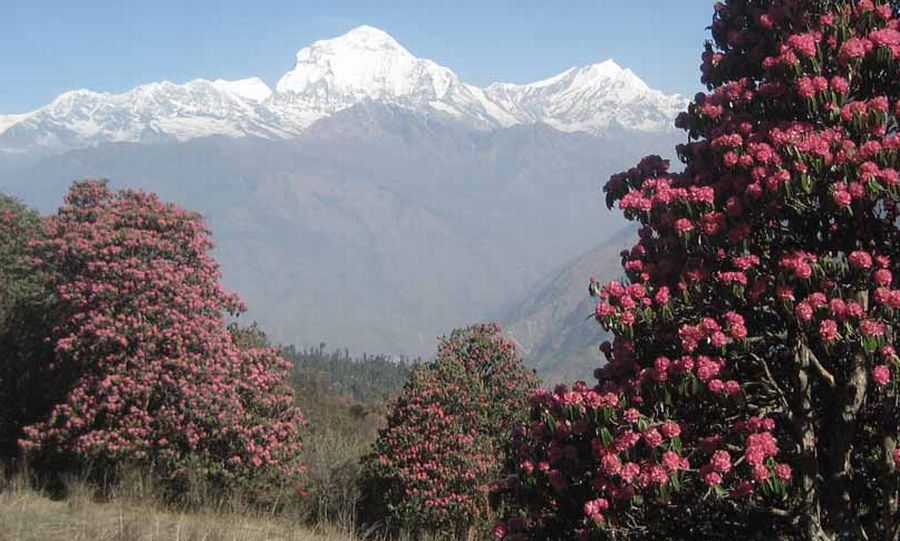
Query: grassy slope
(28, 516)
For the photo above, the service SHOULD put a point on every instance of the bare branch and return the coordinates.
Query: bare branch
(774, 384)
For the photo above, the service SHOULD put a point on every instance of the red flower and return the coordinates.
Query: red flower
(670, 429)
(804, 311)
(870, 327)
(860, 260)
(783, 471)
(721, 461)
(710, 477)
(652, 437)
(683, 225)
(828, 330)
(854, 48)
(881, 374)
(883, 277)
(839, 85)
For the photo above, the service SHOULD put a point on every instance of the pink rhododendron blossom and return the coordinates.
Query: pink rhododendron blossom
(881, 374)
(156, 377)
(443, 439)
(776, 238)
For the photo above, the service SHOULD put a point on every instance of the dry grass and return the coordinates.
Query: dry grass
(26, 515)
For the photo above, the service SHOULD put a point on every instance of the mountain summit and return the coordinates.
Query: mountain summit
(363, 63)
(367, 64)
(362, 66)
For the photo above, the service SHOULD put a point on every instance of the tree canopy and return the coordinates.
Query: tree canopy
(751, 389)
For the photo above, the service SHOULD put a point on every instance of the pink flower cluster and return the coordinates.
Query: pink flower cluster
(622, 304)
(156, 377)
(775, 249)
(442, 448)
(709, 331)
(598, 443)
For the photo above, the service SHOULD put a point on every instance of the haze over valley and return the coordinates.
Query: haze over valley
(372, 199)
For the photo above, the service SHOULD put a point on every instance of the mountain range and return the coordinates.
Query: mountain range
(373, 200)
(364, 65)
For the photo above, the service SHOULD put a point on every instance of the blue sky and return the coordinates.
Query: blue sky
(48, 47)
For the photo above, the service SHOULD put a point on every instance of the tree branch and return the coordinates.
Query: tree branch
(849, 401)
(814, 361)
(788, 412)
(809, 463)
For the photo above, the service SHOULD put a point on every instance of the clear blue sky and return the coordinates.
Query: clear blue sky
(50, 46)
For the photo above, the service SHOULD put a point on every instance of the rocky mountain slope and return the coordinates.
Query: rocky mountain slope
(551, 323)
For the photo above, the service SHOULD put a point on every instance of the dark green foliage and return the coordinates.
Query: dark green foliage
(369, 378)
(26, 306)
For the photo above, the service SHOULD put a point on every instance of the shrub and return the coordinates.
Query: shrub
(149, 374)
(759, 316)
(444, 443)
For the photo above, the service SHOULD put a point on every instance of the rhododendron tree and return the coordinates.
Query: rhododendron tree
(149, 375)
(443, 446)
(759, 314)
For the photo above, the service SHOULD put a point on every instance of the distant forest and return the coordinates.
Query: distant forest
(366, 378)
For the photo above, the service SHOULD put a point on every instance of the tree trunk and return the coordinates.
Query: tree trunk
(890, 517)
(850, 397)
(890, 483)
(809, 461)
(465, 532)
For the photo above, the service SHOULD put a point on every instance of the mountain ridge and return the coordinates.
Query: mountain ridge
(365, 64)
(377, 229)
(552, 324)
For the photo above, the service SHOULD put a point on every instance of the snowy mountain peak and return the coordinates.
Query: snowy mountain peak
(366, 64)
(590, 98)
(608, 66)
(151, 112)
(9, 120)
(608, 72)
(363, 37)
(252, 88)
(605, 74)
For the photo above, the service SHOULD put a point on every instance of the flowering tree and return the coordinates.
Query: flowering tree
(753, 359)
(433, 464)
(148, 373)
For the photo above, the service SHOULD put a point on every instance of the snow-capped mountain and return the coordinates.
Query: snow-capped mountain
(364, 65)
(367, 64)
(8, 120)
(150, 112)
(589, 99)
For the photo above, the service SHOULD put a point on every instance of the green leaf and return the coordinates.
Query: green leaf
(606, 436)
